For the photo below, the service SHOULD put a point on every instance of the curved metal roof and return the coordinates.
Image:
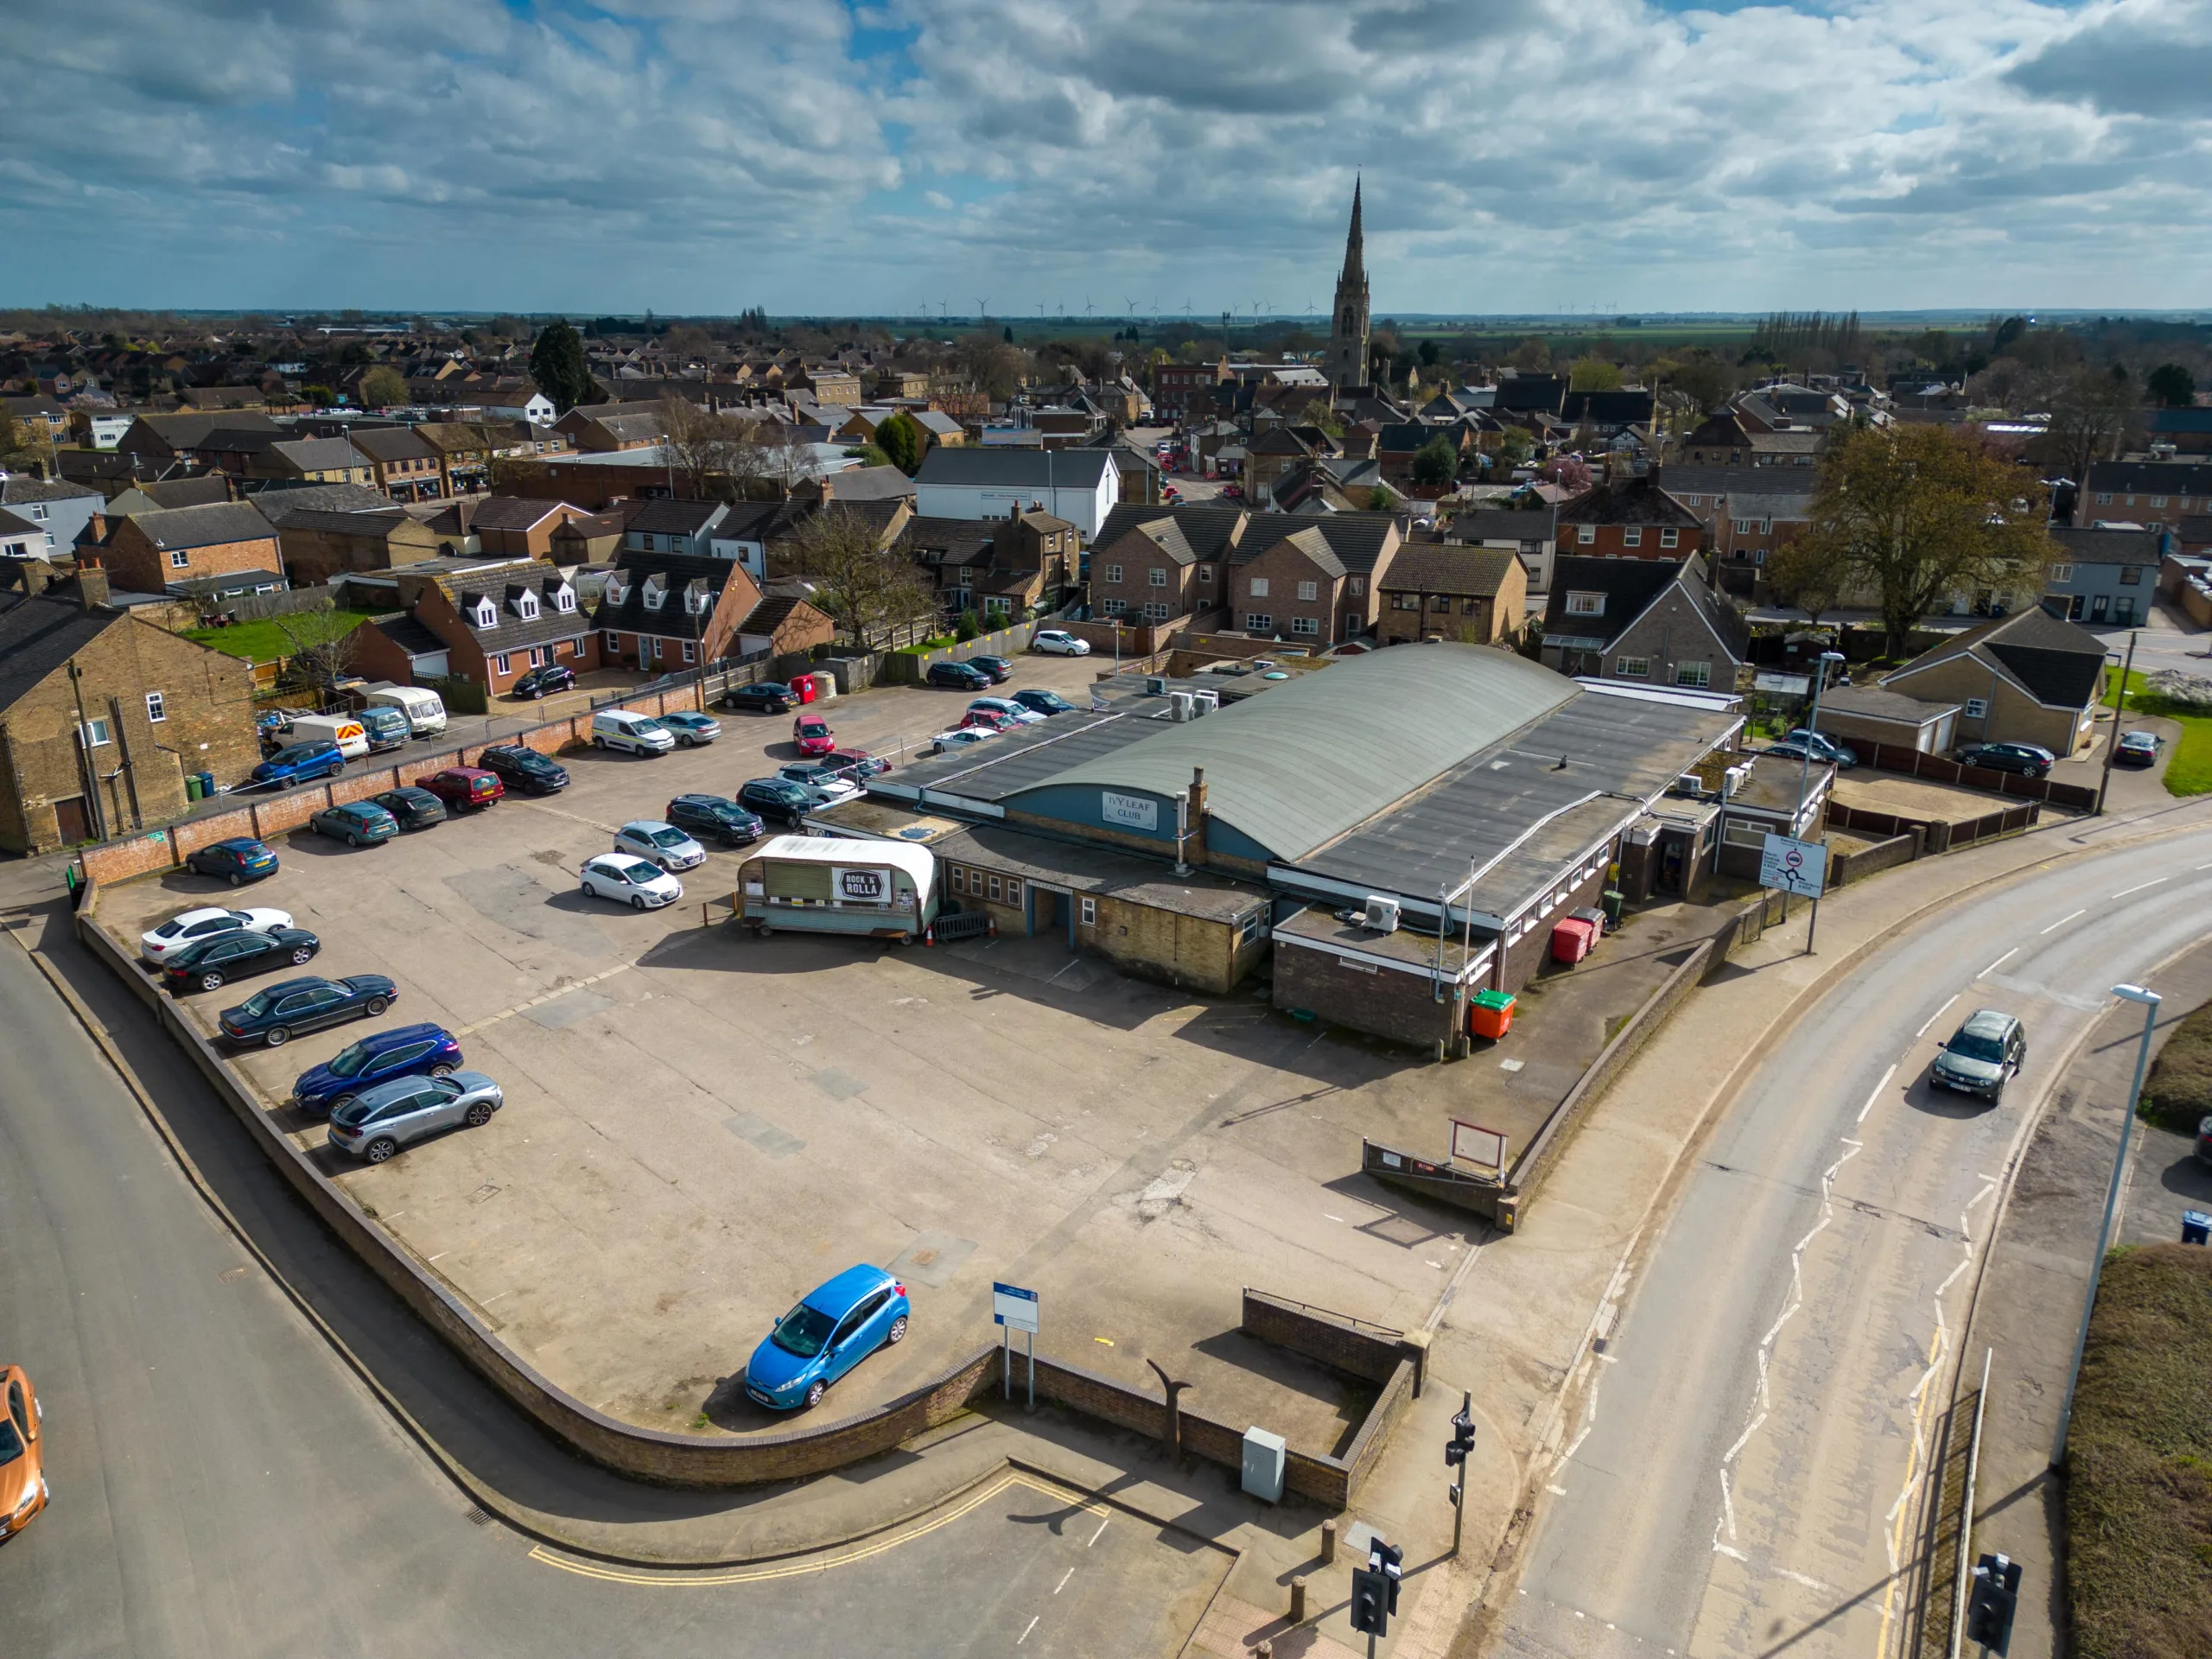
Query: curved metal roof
(1296, 768)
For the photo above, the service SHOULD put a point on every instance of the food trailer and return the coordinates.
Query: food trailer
(831, 884)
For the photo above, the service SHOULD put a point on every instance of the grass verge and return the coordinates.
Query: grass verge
(2188, 768)
(261, 641)
(2138, 1496)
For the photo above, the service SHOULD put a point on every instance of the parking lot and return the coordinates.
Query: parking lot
(700, 1126)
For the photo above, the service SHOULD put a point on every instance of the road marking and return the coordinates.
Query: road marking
(2062, 922)
(1999, 962)
(1024, 1637)
(2139, 886)
(1809, 1583)
(1100, 1532)
(573, 985)
(1938, 1014)
(1556, 1491)
(1884, 1082)
(820, 1563)
(1063, 1584)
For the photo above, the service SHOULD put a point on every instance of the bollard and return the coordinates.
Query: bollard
(1298, 1601)
(1328, 1542)
(1265, 1650)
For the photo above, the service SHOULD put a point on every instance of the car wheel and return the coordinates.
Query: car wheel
(353, 839)
(815, 1390)
(898, 1331)
(442, 1070)
(278, 1036)
(211, 981)
(598, 742)
(341, 1101)
(303, 955)
(380, 1149)
(590, 892)
(637, 901)
(766, 931)
(237, 880)
(376, 1005)
(479, 1114)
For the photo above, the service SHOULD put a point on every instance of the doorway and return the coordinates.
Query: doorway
(72, 821)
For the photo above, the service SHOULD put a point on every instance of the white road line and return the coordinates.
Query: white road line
(1556, 1491)
(1887, 1076)
(1999, 962)
(1024, 1637)
(2139, 886)
(1100, 1532)
(1063, 1584)
(1938, 1014)
(2062, 922)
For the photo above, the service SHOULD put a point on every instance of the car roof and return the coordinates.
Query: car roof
(1988, 1022)
(377, 1041)
(390, 1089)
(646, 824)
(837, 1297)
(240, 841)
(312, 981)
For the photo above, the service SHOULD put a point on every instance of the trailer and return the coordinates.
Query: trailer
(832, 884)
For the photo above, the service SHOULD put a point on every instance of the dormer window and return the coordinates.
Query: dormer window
(617, 589)
(485, 614)
(565, 597)
(526, 607)
(656, 592)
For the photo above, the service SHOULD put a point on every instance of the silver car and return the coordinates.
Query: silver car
(377, 1121)
(660, 843)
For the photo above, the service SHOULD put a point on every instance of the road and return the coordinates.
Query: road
(224, 1485)
(1747, 1479)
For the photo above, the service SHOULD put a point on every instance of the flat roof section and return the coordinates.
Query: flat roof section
(1318, 926)
(1020, 759)
(1082, 867)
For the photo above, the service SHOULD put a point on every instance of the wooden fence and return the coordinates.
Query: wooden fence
(1895, 757)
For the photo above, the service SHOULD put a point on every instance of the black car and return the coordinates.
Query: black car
(2028, 760)
(277, 1014)
(768, 696)
(960, 676)
(856, 764)
(524, 769)
(1043, 702)
(778, 802)
(997, 667)
(539, 681)
(704, 816)
(414, 809)
(212, 963)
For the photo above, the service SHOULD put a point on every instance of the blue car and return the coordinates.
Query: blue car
(831, 1330)
(237, 861)
(298, 763)
(425, 1051)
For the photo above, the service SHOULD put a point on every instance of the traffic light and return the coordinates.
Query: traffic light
(1386, 1559)
(1996, 1596)
(1369, 1602)
(1462, 1440)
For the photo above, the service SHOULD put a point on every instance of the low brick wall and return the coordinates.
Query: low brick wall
(1848, 868)
(1354, 1346)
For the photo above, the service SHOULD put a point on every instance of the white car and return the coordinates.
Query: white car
(630, 880)
(1056, 642)
(838, 786)
(966, 738)
(660, 843)
(194, 926)
(1011, 711)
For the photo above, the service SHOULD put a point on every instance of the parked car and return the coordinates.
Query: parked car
(191, 927)
(629, 880)
(1020, 712)
(463, 789)
(998, 668)
(634, 732)
(692, 731)
(1056, 642)
(711, 815)
(1822, 746)
(857, 764)
(958, 677)
(1044, 702)
(377, 1121)
(237, 861)
(834, 786)
(22, 1455)
(424, 1051)
(411, 808)
(835, 1326)
(2204, 1141)
(660, 843)
(812, 735)
(544, 680)
(277, 1014)
(356, 823)
(966, 737)
(2029, 760)
(520, 768)
(1990, 1047)
(768, 697)
(2136, 749)
(212, 964)
(777, 800)
(987, 720)
(300, 763)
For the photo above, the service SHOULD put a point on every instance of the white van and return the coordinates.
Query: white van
(425, 708)
(619, 728)
(345, 730)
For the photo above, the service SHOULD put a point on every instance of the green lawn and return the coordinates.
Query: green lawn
(257, 642)
(2188, 768)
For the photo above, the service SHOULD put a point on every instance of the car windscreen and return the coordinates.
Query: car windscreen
(11, 1444)
(648, 726)
(633, 870)
(669, 837)
(349, 1060)
(803, 1331)
(260, 1003)
(1970, 1046)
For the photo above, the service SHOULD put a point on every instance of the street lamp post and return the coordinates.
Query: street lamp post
(2150, 1001)
(1804, 771)
(2118, 708)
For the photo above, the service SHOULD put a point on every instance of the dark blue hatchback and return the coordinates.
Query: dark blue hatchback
(424, 1051)
(237, 861)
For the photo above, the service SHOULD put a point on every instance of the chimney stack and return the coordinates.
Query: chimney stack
(91, 587)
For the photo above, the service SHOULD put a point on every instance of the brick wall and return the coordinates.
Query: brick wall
(133, 561)
(1371, 1352)
(1399, 1006)
(1519, 962)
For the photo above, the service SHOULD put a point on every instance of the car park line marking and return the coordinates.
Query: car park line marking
(1100, 1532)
(1999, 962)
(2060, 923)
(573, 985)
(1024, 1637)
(573, 818)
(1938, 1014)
(1063, 1584)
(2139, 886)
(678, 1580)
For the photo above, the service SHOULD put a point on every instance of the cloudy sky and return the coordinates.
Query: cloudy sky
(827, 157)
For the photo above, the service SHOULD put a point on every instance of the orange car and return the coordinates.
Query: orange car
(22, 1461)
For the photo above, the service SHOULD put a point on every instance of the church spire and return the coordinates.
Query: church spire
(1355, 250)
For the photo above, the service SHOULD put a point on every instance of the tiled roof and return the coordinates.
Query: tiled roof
(1630, 501)
(1479, 571)
(2111, 546)
(681, 573)
(514, 513)
(38, 634)
(204, 526)
(1628, 587)
(2056, 663)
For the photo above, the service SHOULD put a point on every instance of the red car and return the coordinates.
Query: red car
(989, 719)
(814, 735)
(463, 789)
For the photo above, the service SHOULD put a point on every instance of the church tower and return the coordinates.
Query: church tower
(1347, 360)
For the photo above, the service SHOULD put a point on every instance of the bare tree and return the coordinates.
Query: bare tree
(863, 585)
(320, 645)
(2090, 414)
(1808, 574)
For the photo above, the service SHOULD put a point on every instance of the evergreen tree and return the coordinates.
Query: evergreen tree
(556, 364)
(900, 438)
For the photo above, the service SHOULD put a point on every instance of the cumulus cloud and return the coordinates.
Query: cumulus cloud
(706, 154)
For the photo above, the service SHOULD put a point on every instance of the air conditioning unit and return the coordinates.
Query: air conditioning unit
(1179, 706)
(1156, 685)
(1381, 913)
(1737, 777)
(1204, 702)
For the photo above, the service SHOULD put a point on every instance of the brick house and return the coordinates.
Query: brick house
(106, 752)
(608, 429)
(1293, 589)
(661, 612)
(785, 626)
(147, 551)
(2030, 677)
(2154, 494)
(1629, 519)
(520, 527)
(1642, 621)
(491, 624)
(400, 463)
(317, 546)
(1276, 451)
(1156, 564)
(1181, 390)
(1363, 543)
(310, 460)
(464, 455)
(1476, 593)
